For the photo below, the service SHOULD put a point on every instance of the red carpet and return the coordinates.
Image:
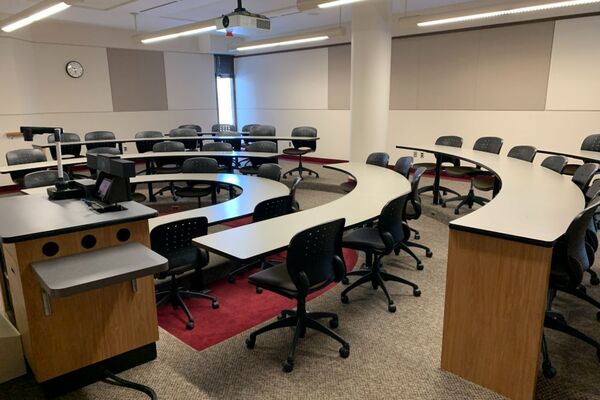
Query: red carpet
(241, 308)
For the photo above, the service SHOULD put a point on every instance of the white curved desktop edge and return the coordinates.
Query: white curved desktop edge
(375, 187)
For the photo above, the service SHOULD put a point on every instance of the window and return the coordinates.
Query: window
(225, 89)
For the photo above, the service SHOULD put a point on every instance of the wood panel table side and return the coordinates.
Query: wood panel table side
(85, 328)
(494, 311)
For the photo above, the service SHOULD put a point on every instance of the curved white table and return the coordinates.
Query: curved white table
(375, 187)
(499, 259)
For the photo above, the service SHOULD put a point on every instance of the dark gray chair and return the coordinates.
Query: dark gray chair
(301, 148)
(313, 262)
(146, 146)
(555, 163)
(403, 165)
(269, 171)
(199, 165)
(68, 151)
(225, 163)
(197, 128)
(189, 144)
(42, 178)
(236, 144)
(174, 242)
(525, 153)
(256, 162)
(23, 156)
(99, 136)
(488, 144)
(220, 128)
(249, 127)
(167, 165)
(263, 130)
(590, 143)
(584, 174)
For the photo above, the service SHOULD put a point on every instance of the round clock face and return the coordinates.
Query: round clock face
(74, 69)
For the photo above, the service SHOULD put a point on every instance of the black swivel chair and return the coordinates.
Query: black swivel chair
(569, 262)
(225, 163)
(197, 128)
(199, 165)
(590, 143)
(99, 136)
(256, 162)
(167, 165)
(23, 156)
(189, 144)
(68, 151)
(144, 146)
(313, 262)
(379, 241)
(487, 144)
(236, 144)
(269, 171)
(452, 141)
(174, 242)
(379, 159)
(584, 174)
(42, 178)
(220, 128)
(403, 166)
(264, 130)
(302, 147)
(524, 152)
(555, 163)
(249, 127)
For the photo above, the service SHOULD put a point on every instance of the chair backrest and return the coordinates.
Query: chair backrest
(72, 149)
(42, 178)
(525, 153)
(591, 143)
(145, 146)
(263, 130)
(104, 150)
(593, 191)
(304, 131)
(249, 127)
(262, 146)
(99, 136)
(170, 239)
(190, 144)
(584, 175)
(415, 199)
(197, 128)
(449, 140)
(23, 156)
(390, 223)
(295, 183)
(489, 144)
(165, 147)
(379, 159)
(223, 128)
(269, 171)
(555, 163)
(314, 256)
(272, 208)
(199, 165)
(227, 162)
(403, 165)
(235, 143)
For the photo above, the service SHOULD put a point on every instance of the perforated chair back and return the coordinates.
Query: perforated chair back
(104, 150)
(449, 140)
(226, 162)
(71, 149)
(525, 153)
(295, 183)
(23, 156)
(390, 222)
(262, 147)
(165, 147)
(379, 159)
(223, 128)
(314, 256)
(197, 128)
(584, 174)
(269, 171)
(593, 191)
(42, 178)
(264, 130)
(489, 144)
(591, 143)
(189, 144)
(272, 208)
(99, 136)
(415, 199)
(304, 131)
(403, 165)
(235, 143)
(249, 128)
(199, 165)
(555, 163)
(146, 146)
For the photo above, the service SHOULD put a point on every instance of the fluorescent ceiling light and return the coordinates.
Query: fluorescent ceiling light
(337, 3)
(186, 30)
(511, 11)
(179, 34)
(283, 43)
(33, 14)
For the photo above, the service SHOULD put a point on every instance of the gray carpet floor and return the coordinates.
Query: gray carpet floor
(395, 356)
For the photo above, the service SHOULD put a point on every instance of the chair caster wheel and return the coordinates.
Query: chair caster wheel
(215, 305)
(456, 212)
(288, 366)
(333, 323)
(280, 317)
(231, 279)
(417, 292)
(417, 236)
(443, 204)
(345, 281)
(345, 299)
(374, 285)
(420, 266)
(594, 281)
(190, 325)
(548, 370)
(258, 290)
(250, 343)
(429, 254)
(392, 308)
(344, 352)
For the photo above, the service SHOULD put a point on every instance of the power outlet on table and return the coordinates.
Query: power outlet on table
(414, 154)
(422, 155)
(124, 148)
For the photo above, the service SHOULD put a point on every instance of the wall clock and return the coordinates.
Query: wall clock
(74, 69)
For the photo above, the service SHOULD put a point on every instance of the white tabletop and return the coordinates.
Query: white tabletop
(534, 205)
(585, 155)
(375, 187)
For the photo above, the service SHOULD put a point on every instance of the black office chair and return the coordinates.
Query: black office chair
(525, 153)
(264, 130)
(199, 165)
(293, 187)
(220, 128)
(236, 144)
(197, 128)
(403, 166)
(42, 178)
(269, 171)
(378, 159)
(488, 144)
(167, 165)
(555, 163)
(68, 151)
(23, 156)
(569, 262)
(174, 242)
(146, 146)
(249, 127)
(412, 212)
(379, 241)
(225, 163)
(452, 141)
(256, 162)
(590, 143)
(591, 238)
(313, 262)
(584, 174)
(302, 147)
(267, 209)
(189, 144)
(99, 136)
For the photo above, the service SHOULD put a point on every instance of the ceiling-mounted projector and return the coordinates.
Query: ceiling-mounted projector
(242, 22)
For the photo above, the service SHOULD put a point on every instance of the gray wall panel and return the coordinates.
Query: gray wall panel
(339, 77)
